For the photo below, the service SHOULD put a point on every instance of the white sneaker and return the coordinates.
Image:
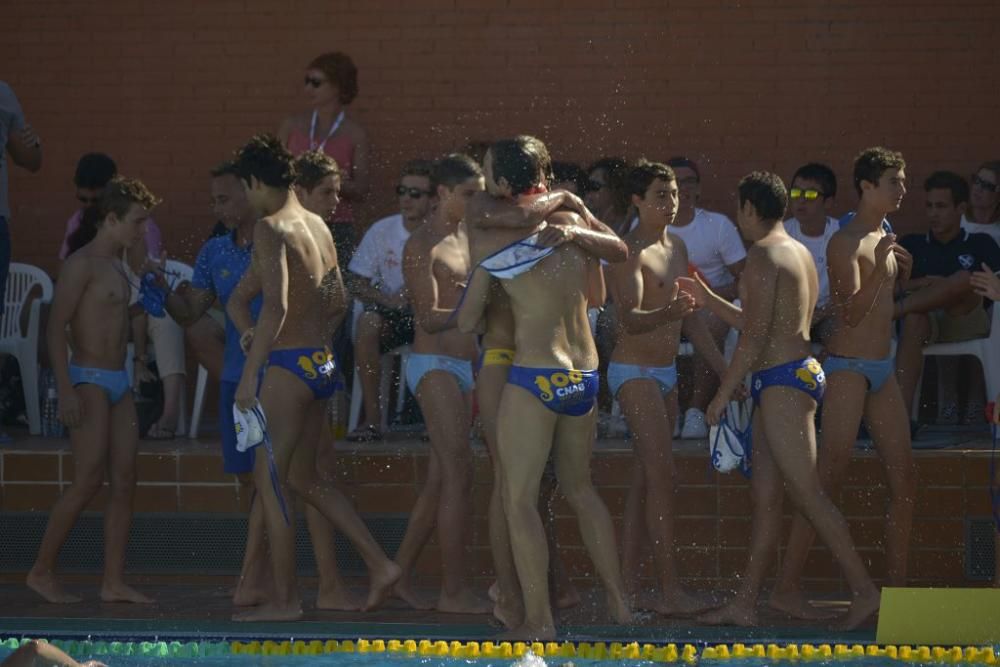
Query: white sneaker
(695, 427)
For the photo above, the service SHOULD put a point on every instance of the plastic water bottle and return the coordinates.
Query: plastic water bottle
(51, 426)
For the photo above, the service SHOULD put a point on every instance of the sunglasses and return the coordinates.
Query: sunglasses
(412, 193)
(809, 195)
(594, 186)
(88, 201)
(984, 184)
(314, 82)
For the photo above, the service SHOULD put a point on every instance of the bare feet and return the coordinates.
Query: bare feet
(494, 591)
(795, 604)
(403, 591)
(248, 596)
(735, 613)
(270, 612)
(862, 608)
(122, 592)
(46, 585)
(620, 610)
(381, 584)
(465, 602)
(680, 603)
(337, 598)
(529, 633)
(510, 613)
(567, 598)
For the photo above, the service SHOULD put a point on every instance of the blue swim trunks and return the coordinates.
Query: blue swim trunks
(313, 365)
(114, 383)
(619, 374)
(418, 365)
(566, 392)
(806, 375)
(875, 371)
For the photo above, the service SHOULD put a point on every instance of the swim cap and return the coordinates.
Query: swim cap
(729, 440)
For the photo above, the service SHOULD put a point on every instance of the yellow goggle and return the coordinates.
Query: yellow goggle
(796, 193)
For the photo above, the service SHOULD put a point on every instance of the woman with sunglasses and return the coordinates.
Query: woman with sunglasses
(983, 216)
(331, 84)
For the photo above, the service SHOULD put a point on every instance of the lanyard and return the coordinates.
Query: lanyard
(312, 130)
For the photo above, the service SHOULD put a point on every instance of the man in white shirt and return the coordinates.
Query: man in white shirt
(375, 278)
(983, 216)
(814, 187)
(716, 250)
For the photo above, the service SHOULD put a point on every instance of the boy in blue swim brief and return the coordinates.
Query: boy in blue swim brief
(95, 401)
(778, 291)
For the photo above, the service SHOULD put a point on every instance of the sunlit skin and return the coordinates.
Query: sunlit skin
(984, 197)
(323, 198)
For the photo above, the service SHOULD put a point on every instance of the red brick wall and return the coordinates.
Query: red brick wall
(169, 88)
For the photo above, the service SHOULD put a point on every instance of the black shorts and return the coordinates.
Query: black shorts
(397, 326)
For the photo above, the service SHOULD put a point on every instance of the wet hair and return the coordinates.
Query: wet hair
(820, 173)
(616, 171)
(949, 180)
(766, 193)
(680, 161)
(454, 169)
(523, 161)
(118, 197)
(476, 149)
(417, 167)
(312, 167)
(642, 175)
(339, 70)
(265, 158)
(991, 165)
(94, 170)
(567, 171)
(871, 163)
(226, 168)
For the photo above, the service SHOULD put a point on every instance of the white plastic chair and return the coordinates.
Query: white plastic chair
(385, 379)
(179, 272)
(987, 350)
(21, 282)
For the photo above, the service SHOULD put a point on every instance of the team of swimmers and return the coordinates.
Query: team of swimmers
(503, 271)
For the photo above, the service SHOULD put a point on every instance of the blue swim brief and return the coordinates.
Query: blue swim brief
(313, 365)
(875, 371)
(418, 365)
(619, 374)
(806, 375)
(566, 392)
(233, 460)
(114, 383)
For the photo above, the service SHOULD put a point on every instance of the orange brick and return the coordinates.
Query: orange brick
(156, 468)
(209, 499)
(30, 497)
(34, 467)
(202, 468)
(156, 499)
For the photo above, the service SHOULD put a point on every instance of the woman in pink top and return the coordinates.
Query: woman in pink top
(331, 84)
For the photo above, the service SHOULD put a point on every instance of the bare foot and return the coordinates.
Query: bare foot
(337, 598)
(681, 604)
(529, 633)
(735, 613)
(381, 583)
(795, 604)
(403, 591)
(122, 592)
(248, 596)
(494, 591)
(567, 598)
(46, 585)
(620, 610)
(510, 613)
(270, 612)
(465, 602)
(862, 608)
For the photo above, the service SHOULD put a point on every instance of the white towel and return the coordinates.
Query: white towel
(251, 427)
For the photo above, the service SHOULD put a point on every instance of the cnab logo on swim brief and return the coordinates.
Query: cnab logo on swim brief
(559, 384)
(967, 261)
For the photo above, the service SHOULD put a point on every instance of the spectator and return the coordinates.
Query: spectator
(569, 176)
(941, 305)
(331, 84)
(606, 193)
(983, 216)
(25, 148)
(715, 248)
(814, 187)
(93, 172)
(375, 278)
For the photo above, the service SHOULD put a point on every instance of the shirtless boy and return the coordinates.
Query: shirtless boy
(520, 215)
(295, 267)
(95, 399)
(641, 375)
(439, 372)
(779, 291)
(548, 403)
(865, 263)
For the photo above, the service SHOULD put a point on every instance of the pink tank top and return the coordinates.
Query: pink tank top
(341, 149)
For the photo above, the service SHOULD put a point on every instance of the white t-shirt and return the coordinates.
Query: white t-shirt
(816, 245)
(977, 228)
(379, 256)
(713, 243)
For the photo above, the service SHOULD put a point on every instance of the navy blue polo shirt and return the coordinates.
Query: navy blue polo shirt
(965, 252)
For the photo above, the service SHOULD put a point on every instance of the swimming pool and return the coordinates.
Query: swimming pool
(427, 653)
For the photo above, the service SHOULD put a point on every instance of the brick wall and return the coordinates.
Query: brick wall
(169, 88)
